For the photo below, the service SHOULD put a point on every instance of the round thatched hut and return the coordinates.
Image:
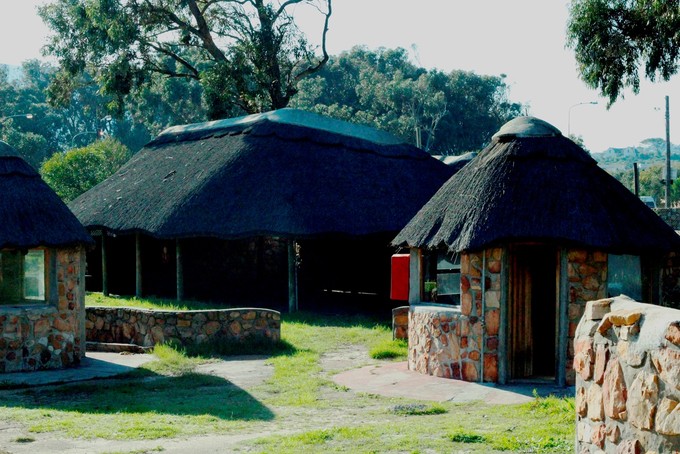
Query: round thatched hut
(511, 248)
(225, 210)
(42, 272)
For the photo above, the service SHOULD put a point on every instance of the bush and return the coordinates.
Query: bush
(76, 171)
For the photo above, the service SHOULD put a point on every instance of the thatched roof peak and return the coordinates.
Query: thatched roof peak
(284, 117)
(533, 184)
(526, 127)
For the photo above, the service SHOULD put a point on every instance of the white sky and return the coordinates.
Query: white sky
(523, 39)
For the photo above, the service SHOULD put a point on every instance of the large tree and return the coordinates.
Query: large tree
(444, 113)
(614, 39)
(248, 55)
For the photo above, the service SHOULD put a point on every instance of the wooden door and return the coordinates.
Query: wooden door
(532, 311)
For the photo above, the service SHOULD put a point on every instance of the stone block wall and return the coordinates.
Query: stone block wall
(628, 378)
(147, 328)
(587, 275)
(48, 335)
(400, 322)
(461, 342)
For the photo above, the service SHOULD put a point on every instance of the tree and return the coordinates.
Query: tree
(248, 55)
(444, 113)
(613, 39)
(74, 172)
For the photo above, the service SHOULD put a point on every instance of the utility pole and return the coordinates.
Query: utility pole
(668, 155)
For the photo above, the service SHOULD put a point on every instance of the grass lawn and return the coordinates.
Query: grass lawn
(298, 409)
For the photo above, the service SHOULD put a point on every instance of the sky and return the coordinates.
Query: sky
(523, 39)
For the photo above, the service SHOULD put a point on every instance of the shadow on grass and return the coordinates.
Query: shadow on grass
(145, 392)
(248, 347)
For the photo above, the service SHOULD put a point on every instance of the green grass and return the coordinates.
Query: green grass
(396, 349)
(418, 409)
(299, 403)
(98, 299)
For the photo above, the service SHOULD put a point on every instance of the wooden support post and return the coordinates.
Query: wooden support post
(180, 270)
(415, 277)
(503, 361)
(105, 274)
(292, 278)
(563, 321)
(138, 265)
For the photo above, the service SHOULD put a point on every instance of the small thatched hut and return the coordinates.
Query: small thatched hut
(225, 209)
(512, 247)
(42, 263)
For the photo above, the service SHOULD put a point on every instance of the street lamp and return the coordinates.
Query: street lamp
(569, 119)
(73, 141)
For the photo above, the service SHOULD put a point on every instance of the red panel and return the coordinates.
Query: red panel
(400, 274)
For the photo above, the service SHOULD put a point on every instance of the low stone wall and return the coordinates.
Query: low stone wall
(443, 343)
(627, 360)
(47, 335)
(147, 328)
(461, 342)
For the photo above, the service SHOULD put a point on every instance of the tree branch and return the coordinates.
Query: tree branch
(203, 32)
(175, 57)
(324, 59)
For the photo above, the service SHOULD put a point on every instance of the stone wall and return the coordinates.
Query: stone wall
(449, 341)
(628, 378)
(147, 328)
(587, 275)
(47, 335)
(400, 322)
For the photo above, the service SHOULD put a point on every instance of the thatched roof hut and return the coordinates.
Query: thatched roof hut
(32, 214)
(512, 247)
(532, 183)
(287, 173)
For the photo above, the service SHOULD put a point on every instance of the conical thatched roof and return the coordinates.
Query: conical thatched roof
(284, 173)
(31, 212)
(533, 184)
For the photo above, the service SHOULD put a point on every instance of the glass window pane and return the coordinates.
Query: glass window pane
(34, 275)
(11, 275)
(625, 277)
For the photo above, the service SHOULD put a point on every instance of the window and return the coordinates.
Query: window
(22, 276)
(34, 275)
(442, 277)
(625, 277)
(448, 278)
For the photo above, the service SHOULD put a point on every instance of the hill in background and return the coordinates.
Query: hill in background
(649, 152)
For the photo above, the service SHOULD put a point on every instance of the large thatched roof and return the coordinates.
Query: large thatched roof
(31, 212)
(533, 184)
(285, 173)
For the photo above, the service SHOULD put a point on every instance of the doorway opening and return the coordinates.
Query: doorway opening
(533, 300)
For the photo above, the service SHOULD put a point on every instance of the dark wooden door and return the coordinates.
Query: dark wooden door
(532, 311)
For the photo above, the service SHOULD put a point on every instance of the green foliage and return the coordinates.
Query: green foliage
(442, 113)
(248, 56)
(74, 172)
(613, 39)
